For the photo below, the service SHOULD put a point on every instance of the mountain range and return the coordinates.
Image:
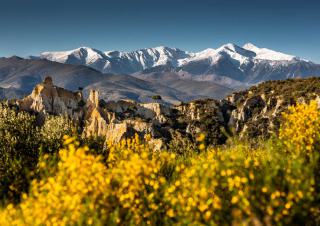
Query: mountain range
(174, 74)
(229, 65)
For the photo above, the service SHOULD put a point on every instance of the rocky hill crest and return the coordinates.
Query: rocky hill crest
(255, 112)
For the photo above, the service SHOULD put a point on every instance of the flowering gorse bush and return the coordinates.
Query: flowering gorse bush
(84, 190)
(241, 186)
(301, 128)
(130, 184)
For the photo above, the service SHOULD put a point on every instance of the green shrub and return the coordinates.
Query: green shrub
(156, 97)
(52, 131)
(81, 104)
(21, 144)
(102, 103)
(19, 139)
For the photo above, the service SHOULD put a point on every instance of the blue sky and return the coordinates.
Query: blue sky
(28, 27)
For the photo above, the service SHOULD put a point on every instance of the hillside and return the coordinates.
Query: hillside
(70, 160)
(21, 75)
(258, 109)
(253, 113)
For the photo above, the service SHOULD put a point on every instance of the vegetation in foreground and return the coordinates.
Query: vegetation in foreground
(274, 182)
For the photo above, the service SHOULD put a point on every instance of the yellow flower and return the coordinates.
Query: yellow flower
(207, 215)
(202, 147)
(288, 205)
(201, 137)
(234, 199)
(170, 213)
(203, 207)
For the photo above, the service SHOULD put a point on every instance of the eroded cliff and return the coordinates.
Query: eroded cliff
(252, 113)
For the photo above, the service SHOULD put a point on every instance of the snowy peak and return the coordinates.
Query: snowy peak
(242, 54)
(230, 47)
(139, 60)
(229, 51)
(116, 61)
(268, 54)
(82, 55)
(250, 46)
(152, 57)
(236, 53)
(205, 53)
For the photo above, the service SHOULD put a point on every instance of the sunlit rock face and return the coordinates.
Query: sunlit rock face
(258, 110)
(206, 116)
(255, 112)
(96, 118)
(47, 98)
(123, 119)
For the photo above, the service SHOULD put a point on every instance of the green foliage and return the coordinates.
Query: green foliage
(102, 103)
(81, 104)
(96, 144)
(178, 141)
(289, 89)
(156, 97)
(234, 185)
(18, 155)
(240, 183)
(21, 144)
(52, 131)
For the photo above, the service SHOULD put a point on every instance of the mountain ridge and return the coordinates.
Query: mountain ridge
(226, 65)
(18, 76)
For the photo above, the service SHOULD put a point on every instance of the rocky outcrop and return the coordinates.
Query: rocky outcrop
(47, 98)
(98, 120)
(258, 110)
(128, 128)
(123, 119)
(206, 116)
(252, 113)
(155, 111)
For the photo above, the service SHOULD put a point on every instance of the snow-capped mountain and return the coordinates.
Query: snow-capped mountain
(241, 55)
(248, 65)
(229, 64)
(174, 74)
(268, 54)
(116, 61)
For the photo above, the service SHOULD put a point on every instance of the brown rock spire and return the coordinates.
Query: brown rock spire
(48, 81)
(94, 98)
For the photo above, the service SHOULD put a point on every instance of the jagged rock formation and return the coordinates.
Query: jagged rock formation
(96, 118)
(258, 110)
(47, 98)
(254, 113)
(206, 116)
(142, 119)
